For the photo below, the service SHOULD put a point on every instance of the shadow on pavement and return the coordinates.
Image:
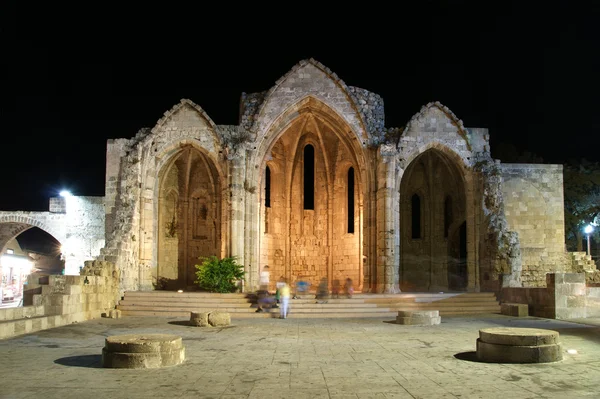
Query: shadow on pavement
(90, 361)
(181, 323)
(468, 356)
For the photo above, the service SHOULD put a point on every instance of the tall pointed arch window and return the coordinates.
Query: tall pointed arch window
(268, 187)
(415, 216)
(309, 177)
(447, 215)
(350, 206)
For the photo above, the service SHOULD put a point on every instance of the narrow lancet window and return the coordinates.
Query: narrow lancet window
(351, 200)
(447, 215)
(416, 216)
(268, 187)
(309, 177)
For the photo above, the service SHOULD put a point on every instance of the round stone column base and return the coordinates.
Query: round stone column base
(142, 351)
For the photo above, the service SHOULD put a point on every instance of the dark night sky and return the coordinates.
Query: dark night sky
(74, 78)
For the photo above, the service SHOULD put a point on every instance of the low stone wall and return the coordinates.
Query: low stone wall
(54, 301)
(593, 302)
(539, 300)
(564, 297)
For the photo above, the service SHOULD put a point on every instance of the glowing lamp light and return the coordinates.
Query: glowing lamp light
(65, 193)
(588, 230)
(180, 291)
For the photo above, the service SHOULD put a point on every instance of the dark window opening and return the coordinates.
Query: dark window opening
(309, 177)
(447, 215)
(351, 200)
(268, 187)
(416, 216)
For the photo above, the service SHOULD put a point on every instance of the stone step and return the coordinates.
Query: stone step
(274, 313)
(234, 302)
(360, 305)
(441, 305)
(174, 294)
(294, 302)
(187, 302)
(325, 308)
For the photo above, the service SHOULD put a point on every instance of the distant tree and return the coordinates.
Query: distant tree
(582, 200)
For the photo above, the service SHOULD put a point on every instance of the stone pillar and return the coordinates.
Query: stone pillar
(368, 230)
(250, 232)
(387, 270)
(473, 233)
(237, 210)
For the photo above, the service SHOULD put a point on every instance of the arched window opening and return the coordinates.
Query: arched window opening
(447, 215)
(416, 216)
(309, 177)
(268, 187)
(351, 200)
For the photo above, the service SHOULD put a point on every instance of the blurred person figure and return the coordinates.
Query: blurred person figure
(323, 291)
(301, 287)
(335, 289)
(284, 295)
(280, 283)
(348, 288)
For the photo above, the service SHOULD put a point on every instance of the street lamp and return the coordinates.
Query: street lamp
(588, 230)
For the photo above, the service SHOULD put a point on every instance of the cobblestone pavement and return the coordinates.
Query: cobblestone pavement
(301, 358)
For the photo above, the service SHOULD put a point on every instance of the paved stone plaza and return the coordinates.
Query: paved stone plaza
(301, 358)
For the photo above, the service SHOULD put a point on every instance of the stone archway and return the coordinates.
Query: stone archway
(433, 214)
(189, 217)
(311, 216)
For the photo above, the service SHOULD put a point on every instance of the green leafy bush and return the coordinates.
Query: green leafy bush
(219, 275)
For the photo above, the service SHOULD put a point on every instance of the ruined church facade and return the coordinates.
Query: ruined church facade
(313, 184)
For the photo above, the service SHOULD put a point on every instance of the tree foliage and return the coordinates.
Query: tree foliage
(581, 182)
(219, 275)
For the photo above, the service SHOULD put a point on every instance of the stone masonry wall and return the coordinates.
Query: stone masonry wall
(57, 300)
(76, 222)
(85, 231)
(115, 149)
(564, 297)
(308, 79)
(533, 200)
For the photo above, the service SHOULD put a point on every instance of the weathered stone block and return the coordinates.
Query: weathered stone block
(518, 354)
(143, 351)
(518, 345)
(199, 319)
(218, 319)
(515, 309)
(418, 317)
(576, 301)
(7, 330)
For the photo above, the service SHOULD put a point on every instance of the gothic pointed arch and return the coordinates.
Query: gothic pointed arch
(189, 212)
(309, 149)
(435, 117)
(311, 76)
(431, 248)
(180, 108)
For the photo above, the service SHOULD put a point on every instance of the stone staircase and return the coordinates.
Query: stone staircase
(173, 304)
(582, 262)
